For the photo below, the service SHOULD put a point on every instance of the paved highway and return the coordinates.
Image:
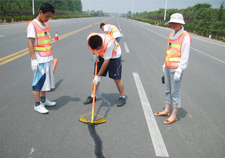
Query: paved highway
(131, 131)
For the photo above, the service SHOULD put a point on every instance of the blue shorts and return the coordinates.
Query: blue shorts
(118, 39)
(44, 81)
(114, 68)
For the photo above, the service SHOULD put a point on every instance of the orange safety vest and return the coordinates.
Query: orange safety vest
(28, 23)
(44, 46)
(107, 39)
(114, 29)
(173, 52)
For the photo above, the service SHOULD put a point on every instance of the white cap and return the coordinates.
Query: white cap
(176, 18)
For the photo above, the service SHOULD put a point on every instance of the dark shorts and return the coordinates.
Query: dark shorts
(114, 68)
(118, 39)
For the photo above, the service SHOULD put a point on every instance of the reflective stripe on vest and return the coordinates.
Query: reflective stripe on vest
(173, 53)
(114, 29)
(44, 46)
(107, 39)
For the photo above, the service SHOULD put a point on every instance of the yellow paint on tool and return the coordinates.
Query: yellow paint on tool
(102, 119)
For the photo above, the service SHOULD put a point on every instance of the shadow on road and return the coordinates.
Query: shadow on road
(181, 113)
(57, 84)
(111, 97)
(62, 101)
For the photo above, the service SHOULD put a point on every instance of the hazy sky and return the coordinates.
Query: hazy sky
(122, 6)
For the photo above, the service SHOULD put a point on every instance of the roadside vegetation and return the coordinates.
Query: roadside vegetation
(21, 10)
(200, 19)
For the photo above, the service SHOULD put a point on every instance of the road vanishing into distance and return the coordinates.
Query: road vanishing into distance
(131, 131)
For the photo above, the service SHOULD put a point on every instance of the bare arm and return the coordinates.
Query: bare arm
(103, 68)
(31, 48)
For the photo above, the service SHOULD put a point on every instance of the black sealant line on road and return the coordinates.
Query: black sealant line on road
(97, 140)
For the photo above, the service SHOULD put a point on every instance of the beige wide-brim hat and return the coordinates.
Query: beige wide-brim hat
(176, 18)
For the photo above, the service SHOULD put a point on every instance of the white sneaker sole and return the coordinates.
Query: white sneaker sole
(42, 112)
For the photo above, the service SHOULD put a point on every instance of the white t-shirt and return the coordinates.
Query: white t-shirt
(109, 49)
(31, 33)
(108, 29)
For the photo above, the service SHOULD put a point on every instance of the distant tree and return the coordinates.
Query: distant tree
(221, 12)
(22, 5)
(78, 5)
(5, 7)
(129, 13)
(71, 5)
(60, 5)
(202, 5)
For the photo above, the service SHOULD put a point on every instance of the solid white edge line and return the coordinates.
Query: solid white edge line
(209, 55)
(126, 47)
(157, 140)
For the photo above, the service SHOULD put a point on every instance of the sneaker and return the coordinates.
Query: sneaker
(49, 103)
(89, 100)
(121, 102)
(41, 109)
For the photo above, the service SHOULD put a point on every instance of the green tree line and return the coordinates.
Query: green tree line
(13, 9)
(201, 19)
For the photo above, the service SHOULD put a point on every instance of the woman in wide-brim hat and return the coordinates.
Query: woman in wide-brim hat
(176, 60)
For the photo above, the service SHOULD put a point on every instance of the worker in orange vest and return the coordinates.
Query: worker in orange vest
(176, 60)
(107, 53)
(111, 30)
(38, 35)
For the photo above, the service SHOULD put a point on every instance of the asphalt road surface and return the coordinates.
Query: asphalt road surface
(131, 131)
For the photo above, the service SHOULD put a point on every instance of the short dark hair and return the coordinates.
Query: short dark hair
(95, 41)
(102, 24)
(46, 7)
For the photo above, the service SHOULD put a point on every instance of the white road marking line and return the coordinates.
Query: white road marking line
(157, 140)
(126, 47)
(31, 151)
(153, 31)
(209, 55)
(208, 40)
(122, 35)
(2, 35)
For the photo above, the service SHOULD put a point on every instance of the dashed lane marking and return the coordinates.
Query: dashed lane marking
(126, 47)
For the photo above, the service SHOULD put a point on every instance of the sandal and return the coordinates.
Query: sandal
(169, 122)
(158, 114)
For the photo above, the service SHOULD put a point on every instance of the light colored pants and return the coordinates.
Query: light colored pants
(173, 89)
(44, 81)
